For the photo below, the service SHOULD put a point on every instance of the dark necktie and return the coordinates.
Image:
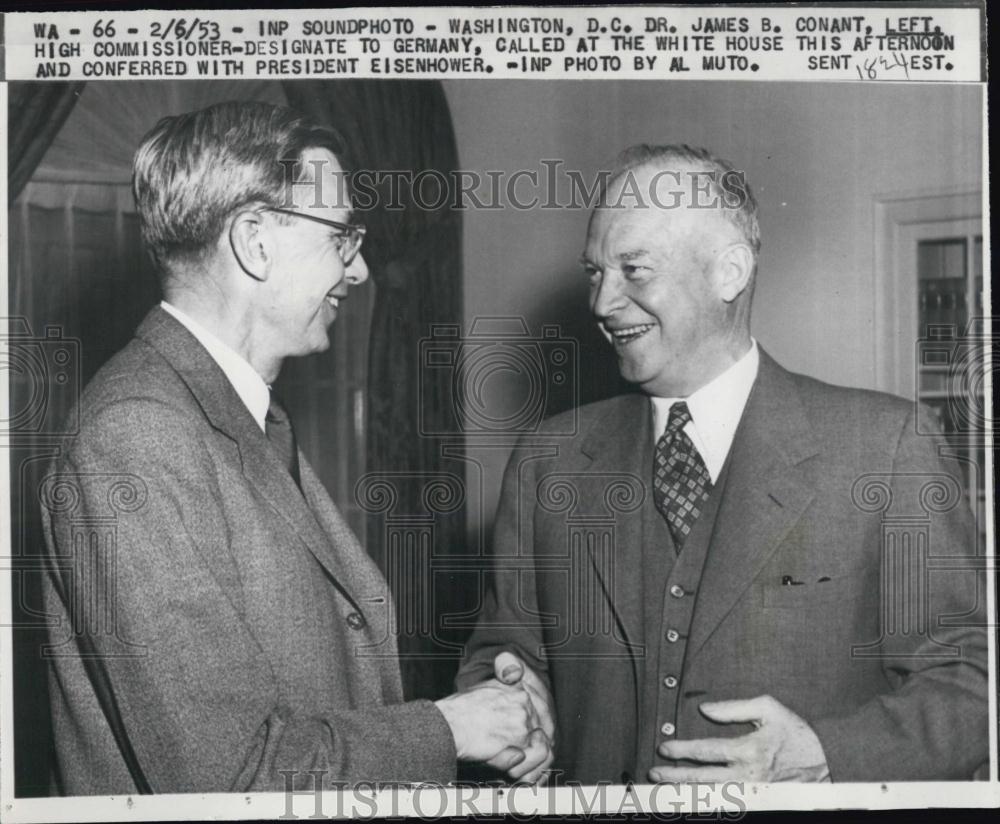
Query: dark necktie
(681, 482)
(279, 431)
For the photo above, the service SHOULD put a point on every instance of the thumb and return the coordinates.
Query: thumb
(752, 710)
(507, 758)
(508, 668)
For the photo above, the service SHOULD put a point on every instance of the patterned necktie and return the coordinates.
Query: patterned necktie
(278, 428)
(681, 482)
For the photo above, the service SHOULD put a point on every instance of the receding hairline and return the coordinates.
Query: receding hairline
(643, 163)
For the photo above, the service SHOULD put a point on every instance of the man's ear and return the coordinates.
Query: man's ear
(251, 244)
(734, 269)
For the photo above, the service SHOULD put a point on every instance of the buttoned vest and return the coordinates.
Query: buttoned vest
(670, 586)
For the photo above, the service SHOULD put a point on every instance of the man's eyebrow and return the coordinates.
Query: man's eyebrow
(633, 254)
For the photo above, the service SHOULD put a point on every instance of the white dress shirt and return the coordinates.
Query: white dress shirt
(250, 386)
(715, 410)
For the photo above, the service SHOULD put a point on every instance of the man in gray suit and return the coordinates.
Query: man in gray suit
(219, 621)
(711, 580)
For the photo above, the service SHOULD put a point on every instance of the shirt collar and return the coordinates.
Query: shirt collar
(716, 409)
(250, 386)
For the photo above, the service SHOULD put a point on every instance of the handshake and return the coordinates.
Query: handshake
(505, 722)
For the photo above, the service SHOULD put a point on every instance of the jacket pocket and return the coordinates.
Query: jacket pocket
(802, 591)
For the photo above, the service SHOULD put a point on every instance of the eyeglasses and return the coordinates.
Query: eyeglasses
(352, 234)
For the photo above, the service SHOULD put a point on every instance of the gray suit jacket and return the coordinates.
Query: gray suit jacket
(228, 626)
(820, 478)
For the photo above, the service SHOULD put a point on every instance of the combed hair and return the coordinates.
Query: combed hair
(193, 170)
(726, 182)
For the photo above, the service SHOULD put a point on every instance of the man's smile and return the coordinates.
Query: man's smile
(627, 334)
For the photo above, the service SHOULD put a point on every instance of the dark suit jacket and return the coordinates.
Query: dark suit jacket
(229, 625)
(810, 471)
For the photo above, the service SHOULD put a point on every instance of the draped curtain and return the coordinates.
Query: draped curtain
(35, 114)
(414, 256)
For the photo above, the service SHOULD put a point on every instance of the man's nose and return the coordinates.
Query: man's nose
(357, 272)
(606, 296)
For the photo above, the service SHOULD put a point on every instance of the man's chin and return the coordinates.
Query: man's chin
(317, 342)
(632, 372)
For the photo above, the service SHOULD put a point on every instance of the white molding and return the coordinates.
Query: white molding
(892, 213)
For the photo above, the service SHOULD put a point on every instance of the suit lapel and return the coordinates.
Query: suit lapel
(350, 554)
(619, 442)
(227, 413)
(765, 494)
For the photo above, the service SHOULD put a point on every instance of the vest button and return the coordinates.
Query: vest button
(673, 636)
(670, 682)
(668, 729)
(356, 620)
(677, 591)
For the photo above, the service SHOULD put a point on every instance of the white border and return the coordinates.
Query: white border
(520, 801)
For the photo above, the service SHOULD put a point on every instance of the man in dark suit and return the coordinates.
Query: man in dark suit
(221, 629)
(724, 577)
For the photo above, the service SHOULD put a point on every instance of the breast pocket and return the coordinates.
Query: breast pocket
(804, 591)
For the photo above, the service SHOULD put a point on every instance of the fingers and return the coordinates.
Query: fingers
(542, 703)
(507, 759)
(486, 721)
(537, 757)
(508, 668)
(706, 750)
(540, 774)
(754, 710)
(534, 720)
(515, 716)
(677, 775)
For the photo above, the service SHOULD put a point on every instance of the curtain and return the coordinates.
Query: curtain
(35, 114)
(414, 257)
(105, 128)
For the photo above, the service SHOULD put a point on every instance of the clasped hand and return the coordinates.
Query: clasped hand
(505, 722)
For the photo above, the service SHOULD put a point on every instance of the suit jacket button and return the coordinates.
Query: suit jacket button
(677, 591)
(356, 620)
(626, 777)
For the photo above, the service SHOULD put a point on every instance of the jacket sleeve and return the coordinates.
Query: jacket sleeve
(508, 620)
(160, 645)
(932, 720)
